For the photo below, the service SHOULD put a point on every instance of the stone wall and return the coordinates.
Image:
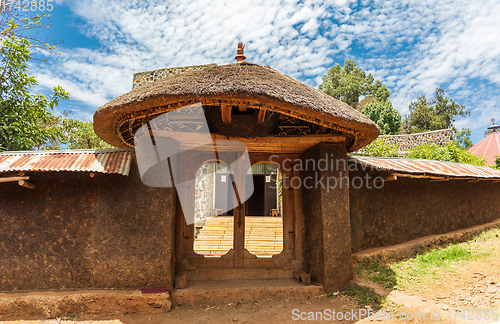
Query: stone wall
(142, 78)
(407, 142)
(204, 191)
(74, 231)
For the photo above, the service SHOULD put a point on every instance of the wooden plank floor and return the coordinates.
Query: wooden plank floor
(263, 236)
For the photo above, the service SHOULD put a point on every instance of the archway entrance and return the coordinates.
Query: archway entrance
(214, 215)
(262, 238)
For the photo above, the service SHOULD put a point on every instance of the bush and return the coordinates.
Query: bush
(380, 148)
(449, 152)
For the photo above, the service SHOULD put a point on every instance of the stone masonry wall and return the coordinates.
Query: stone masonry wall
(142, 78)
(204, 191)
(407, 142)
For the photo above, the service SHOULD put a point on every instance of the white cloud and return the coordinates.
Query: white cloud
(413, 46)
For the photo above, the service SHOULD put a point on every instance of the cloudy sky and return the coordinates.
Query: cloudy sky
(412, 46)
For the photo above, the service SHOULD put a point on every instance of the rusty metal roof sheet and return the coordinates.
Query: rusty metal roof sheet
(428, 168)
(113, 161)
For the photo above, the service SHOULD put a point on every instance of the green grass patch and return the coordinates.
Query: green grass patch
(439, 258)
(432, 265)
(363, 297)
(378, 272)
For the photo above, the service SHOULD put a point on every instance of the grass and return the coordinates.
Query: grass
(378, 272)
(430, 266)
(364, 297)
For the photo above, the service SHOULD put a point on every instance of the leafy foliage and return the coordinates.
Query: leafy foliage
(438, 113)
(462, 137)
(380, 148)
(21, 112)
(450, 152)
(385, 116)
(74, 134)
(497, 162)
(351, 82)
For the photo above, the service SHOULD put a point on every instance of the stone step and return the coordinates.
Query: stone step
(213, 292)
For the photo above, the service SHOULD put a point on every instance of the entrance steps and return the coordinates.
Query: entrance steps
(213, 292)
(263, 236)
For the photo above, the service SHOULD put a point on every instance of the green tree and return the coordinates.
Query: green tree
(351, 82)
(450, 152)
(497, 162)
(21, 112)
(428, 115)
(385, 116)
(73, 134)
(462, 137)
(380, 148)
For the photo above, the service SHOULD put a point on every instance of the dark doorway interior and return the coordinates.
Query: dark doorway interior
(263, 199)
(224, 195)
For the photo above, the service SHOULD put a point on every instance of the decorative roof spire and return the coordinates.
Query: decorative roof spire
(493, 127)
(240, 57)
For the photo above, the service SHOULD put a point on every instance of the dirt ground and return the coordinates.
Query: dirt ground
(267, 311)
(473, 290)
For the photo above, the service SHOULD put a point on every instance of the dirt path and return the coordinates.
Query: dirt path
(266, 312)
(469, 295)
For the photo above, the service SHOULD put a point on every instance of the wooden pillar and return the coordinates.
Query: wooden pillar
(239, 220)
(299, 220)
(288, 214)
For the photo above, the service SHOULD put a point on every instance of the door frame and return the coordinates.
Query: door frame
(292, 256)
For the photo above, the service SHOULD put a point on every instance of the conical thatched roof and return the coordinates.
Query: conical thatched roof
(239, 84)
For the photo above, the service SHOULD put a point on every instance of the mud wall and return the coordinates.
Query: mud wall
(327, 226)
(407, 209)
(74, 231)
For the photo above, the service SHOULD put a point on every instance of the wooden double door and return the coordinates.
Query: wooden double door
(238, 262)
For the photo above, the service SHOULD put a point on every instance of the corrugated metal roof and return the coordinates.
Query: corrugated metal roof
(114, 161)
(428, 168)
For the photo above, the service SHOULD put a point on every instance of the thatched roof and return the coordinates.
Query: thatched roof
(238, 83)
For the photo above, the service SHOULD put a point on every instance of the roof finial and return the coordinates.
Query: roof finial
(240, 57)
(493, 127)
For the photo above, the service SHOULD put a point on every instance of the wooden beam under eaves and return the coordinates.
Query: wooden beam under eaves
(225, 113)
(262, 115)
(390, 177)
(440, 179)
(26, 184)
(13, 179)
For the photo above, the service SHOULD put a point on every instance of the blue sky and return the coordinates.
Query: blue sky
(411, 46)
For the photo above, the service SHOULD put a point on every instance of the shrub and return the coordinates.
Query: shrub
(449, 152)
(380, 148)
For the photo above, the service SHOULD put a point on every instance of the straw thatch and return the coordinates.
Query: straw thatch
(239, 83)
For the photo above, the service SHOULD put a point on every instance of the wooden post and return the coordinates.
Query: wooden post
(299, 219)
(225, 113)
(262, 115)
(288, 213)
(25, 184)
(239, 224)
